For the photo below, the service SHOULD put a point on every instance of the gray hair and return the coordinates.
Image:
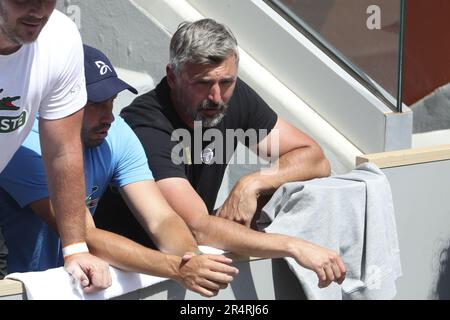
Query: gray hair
(202, 42)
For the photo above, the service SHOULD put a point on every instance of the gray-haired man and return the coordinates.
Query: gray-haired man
(202, 91)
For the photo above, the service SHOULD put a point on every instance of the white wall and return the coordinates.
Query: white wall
(132, 39)
(422, 205)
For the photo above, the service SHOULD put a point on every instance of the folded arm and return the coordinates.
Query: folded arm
(231, 236)
(167, 230)
(204, 274)
(297, 158)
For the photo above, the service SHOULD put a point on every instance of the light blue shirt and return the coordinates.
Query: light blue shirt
(32, 245)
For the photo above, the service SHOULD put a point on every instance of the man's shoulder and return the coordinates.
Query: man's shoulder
(143, 111)
(152, 101)
(243, 96)
(119, 129)
(119, 134)
(147, 101)
(61, 23)
(59, 37)
(150, 110)
(243, 89)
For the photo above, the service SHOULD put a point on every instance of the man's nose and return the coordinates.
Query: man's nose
(215, 94)
(38, 8)
(108, 116)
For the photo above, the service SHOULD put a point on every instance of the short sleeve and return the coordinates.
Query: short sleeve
(130, 162)
(255, 113)
(67, 93)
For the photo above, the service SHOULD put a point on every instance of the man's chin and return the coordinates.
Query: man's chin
(28, 38)
(28, 35)
(213, 121)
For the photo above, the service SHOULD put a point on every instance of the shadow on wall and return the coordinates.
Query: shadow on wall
(433, 112)
(443, 283)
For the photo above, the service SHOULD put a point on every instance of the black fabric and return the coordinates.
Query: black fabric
(112, 214)
(154, 119)
(3, 256)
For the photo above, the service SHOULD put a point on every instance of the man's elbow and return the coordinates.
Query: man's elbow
(324, 168)
(322, 165)
(198, 228)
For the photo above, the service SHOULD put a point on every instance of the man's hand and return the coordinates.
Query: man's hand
(91, 272)
(206, 274)
(241, 204)
(324, 262)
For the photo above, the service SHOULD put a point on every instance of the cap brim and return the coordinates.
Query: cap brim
(106, 89)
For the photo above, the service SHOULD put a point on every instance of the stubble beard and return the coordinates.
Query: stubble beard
(208, 122)
(6, 32)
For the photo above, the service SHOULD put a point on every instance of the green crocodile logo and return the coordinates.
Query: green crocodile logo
(7, 103)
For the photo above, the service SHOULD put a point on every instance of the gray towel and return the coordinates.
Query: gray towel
(352, 214)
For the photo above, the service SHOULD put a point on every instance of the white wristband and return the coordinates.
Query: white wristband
(71, 249)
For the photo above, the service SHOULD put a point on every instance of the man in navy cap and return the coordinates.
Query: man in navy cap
(113, 156)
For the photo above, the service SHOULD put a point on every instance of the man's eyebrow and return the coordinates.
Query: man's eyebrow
(208, 79)
(230, 77)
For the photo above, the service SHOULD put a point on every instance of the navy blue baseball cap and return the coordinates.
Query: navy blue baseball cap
(102, 82)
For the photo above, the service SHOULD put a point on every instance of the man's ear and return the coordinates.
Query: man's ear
(170, 76)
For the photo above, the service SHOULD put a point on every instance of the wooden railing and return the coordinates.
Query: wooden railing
(407, 156)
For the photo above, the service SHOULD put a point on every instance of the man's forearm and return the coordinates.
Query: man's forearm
(162, 224)
(174, 237)
(131, 256)
(231, 236)
(63, 158)
(297, 165)
(67, 192)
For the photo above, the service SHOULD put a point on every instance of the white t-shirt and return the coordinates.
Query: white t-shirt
(45, 77)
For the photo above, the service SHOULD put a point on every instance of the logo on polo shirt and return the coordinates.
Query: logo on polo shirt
(11, 123)
(103, 67)
(207, 156)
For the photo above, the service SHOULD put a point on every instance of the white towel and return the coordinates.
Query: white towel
(57, 284)
(352, 214)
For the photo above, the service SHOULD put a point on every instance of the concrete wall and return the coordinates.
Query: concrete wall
(422, 205)
(266, 279)
(131, 39)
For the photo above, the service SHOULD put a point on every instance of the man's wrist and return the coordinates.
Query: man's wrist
(74, 248)
(292, 246)
(257, 184)
(174, 271)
